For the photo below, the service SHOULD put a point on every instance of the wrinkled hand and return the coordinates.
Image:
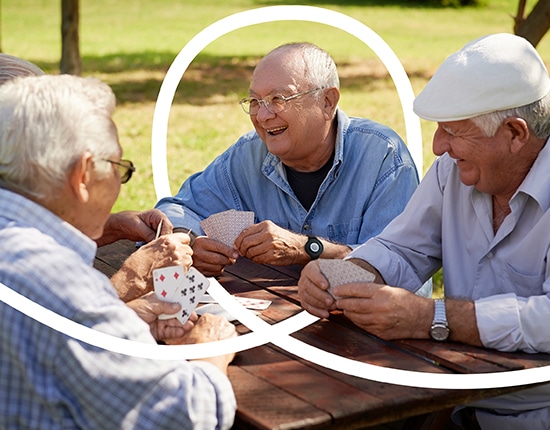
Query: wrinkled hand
(312, 290)
(135, 226)
(135, 276)
(211, 256)
(267, 243)
(387, 312)
(149, 307)
(210, 328)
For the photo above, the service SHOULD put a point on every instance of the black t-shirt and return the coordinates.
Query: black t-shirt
(306, 184)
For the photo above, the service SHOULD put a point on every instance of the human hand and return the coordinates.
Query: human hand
(267, 243)
(313, 291)
(135, 226)
(135, 276)
(210, 328)
(211, 256)
(149, 307)
(385, 311)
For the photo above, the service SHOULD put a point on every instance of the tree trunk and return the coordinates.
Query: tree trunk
(70, 52)
(535, 26)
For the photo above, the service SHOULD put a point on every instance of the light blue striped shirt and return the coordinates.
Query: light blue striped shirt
(507, 274)
(51, 381)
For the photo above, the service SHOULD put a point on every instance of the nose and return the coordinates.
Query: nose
(441, 141)
(263, 112)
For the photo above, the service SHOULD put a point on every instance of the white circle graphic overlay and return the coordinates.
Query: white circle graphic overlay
(265, 333)
(270, 14)
(262, 332)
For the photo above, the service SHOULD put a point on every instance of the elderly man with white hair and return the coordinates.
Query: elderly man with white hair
(59, 178)
(482, 213)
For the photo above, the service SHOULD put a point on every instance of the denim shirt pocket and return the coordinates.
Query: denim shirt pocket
(345, 233)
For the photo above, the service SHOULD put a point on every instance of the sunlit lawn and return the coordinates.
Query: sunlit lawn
(131, 44)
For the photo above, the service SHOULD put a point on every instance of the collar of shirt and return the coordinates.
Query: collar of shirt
(535, 183)
(272, 162)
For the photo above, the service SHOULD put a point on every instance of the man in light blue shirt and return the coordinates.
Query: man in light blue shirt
(318, 182)
(60, 173)
(482, 213)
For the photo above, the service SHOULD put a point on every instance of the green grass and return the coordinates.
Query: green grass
(131, 43)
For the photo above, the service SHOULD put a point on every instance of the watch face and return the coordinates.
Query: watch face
(314, 247)
(439, 332)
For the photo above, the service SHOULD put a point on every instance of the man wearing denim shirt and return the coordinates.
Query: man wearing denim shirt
(311, 174)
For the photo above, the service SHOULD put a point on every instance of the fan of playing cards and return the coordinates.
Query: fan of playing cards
(340, 272)
(226, 226)
(172, 284)
(187, 289)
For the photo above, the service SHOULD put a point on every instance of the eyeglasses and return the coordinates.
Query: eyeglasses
(125, 168)
(274, 104)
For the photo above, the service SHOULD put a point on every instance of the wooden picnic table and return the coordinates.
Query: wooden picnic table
(277, 390)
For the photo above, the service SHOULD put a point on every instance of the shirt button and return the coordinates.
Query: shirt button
(306, 227)
(490, 255)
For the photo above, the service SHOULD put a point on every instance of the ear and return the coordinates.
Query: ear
(519, 133)
(332, 97)
(79, 177)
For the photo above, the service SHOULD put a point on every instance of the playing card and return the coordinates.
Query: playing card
(340, 272)
(187, 289)
(253, 304)
(226, 226)
(167, 280)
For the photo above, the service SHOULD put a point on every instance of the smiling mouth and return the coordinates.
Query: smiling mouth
(276, 131)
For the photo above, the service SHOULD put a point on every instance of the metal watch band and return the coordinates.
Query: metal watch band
(440, 315)
(439, 330)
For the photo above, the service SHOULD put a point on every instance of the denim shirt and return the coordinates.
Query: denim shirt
(370, 182)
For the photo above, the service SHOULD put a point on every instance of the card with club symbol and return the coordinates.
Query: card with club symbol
(172, 284)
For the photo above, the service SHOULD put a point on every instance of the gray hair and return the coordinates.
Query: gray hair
(320, 69)
(536, 114)
(46, 124)
(13, 67)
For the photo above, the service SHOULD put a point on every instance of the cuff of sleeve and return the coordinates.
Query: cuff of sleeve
(498, 322)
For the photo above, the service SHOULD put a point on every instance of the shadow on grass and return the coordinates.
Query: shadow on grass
(137, 77)
(416, 4)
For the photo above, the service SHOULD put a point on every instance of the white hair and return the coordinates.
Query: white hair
(46, 124)
(319, 67)
(13, 67)
(536, 114)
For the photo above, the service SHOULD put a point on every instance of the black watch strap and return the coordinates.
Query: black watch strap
(314, 247)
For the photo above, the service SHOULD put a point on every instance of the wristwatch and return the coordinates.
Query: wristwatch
(439, 330)
(313, 247)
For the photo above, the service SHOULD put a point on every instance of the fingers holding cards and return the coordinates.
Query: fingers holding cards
(226, 226)
(340, 272)
(172, 284)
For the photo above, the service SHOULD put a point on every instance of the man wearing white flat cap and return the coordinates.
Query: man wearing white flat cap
(482, 212)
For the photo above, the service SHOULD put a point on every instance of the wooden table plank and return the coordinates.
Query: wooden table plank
(277, 390)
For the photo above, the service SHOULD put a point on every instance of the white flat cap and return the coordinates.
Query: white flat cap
(492, 73)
